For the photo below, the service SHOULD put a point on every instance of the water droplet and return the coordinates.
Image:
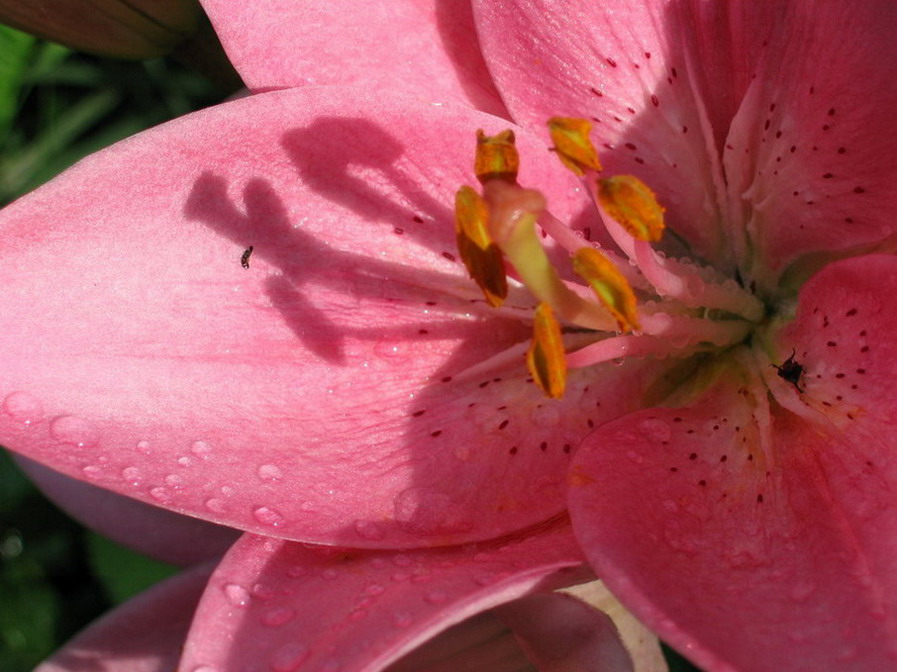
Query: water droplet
(200, 448)
(23, 407)
(228, 491)
(635, 457)
(236, 594)
(296, 571)
(369, 529)
(375, 589)
(132, 475)
(329, 574)
(160, 494)
(268, 516)
(205, 668)
(144, 447)
(428, 511)
(387, 351)
(74, 431)
(215, 505)
(435, 596)
(263, 591)
(402, 619)
(358, 615)
(270, 472)
(175, 481)
(289, 657)
(400, 576)
(184, 461)
(279, 616)
(545, 416)
(401, 560)
(655, 429)
(92, 471)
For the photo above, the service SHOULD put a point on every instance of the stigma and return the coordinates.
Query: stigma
(627, 300)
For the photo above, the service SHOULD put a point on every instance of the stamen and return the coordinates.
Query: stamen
(631, 203)
(496, 157)
(545, 358)
(572, 144)
(609, 286)
(480, 254)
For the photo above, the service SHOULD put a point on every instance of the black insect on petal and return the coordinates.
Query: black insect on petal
(791, 371)
(244, 260)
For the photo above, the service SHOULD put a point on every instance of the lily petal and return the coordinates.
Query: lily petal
(163, 535)
(329, 392)
(744, 543)
(428, 48)
(145, 634)
(623, 65)
(283, 606)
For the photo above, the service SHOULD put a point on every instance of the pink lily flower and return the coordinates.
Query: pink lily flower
(727, 468)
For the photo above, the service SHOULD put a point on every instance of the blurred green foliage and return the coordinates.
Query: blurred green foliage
(57, 106)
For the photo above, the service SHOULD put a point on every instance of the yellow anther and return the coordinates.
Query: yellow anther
(497, 157)
(629, 201)
(572, 144)
(480, 254)
(611, 287)
(546, 359)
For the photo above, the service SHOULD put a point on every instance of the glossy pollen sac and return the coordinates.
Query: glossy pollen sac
(573, 144)
(481, 256)
(632, 203)
(496, 157)
(546, 359)
(609, 285)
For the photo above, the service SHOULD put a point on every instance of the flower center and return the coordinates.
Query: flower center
(605, 304)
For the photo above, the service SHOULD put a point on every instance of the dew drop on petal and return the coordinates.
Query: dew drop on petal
(205, 668)
(375, 589)
(92, 471)
(402, 619)
(160, 494)
(435, 596)
(329, 574)
(278, 616)
(263, 591)
(289, 657)
(144, 447)
(655, 429)
(369, 529)
(236, 594)
(358, 615)
(401, 560)
(267, 516)
(132, 475)
(184, 461)
(74, 431)
(400, 576)
(200, 448)
(215, 504)
(270, 472)
(23, 407)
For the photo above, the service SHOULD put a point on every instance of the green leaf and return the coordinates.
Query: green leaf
(15, 51)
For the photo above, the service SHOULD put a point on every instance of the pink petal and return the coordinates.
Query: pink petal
(146, 634)
(428, 48)
(745, 549)
(561, 634)
(796, 98)
(812, 146)
(621, 64)
(163, 535)
(317, 395)
(282, 606)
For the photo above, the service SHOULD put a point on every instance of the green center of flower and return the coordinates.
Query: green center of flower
(629, 302)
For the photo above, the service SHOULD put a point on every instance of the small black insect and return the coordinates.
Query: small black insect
(791, 371)
(244, 260)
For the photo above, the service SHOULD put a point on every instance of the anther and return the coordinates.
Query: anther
(546, 359)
